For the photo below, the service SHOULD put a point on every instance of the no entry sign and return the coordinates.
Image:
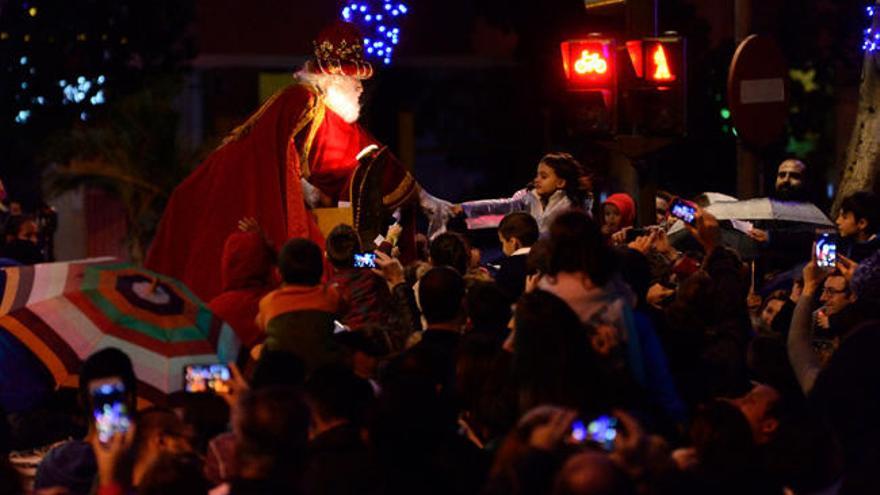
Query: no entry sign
(757, 91)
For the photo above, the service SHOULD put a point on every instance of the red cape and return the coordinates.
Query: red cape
(255, 173)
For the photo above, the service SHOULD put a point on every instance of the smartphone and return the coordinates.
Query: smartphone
(826, 251)
(633, 234)
(207, 378)
(365, 260)
(602, 431)
(109, 408)
(684, 211)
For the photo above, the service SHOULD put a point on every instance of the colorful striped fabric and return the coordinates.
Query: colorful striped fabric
(63, 312)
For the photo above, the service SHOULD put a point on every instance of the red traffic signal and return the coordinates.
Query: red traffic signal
(589, 64)
(660, 62)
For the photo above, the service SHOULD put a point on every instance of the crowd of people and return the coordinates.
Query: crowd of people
(594, 358)
(26, 238)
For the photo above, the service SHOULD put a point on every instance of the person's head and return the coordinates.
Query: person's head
(342, 244)
(22, 227)
(160, 431)
(662, 200)
(592, 473)
(108, 365)
(576, 245)
(206, 415)
(559, 171)
(441, 295)
(338, 68)
(450, 250)
(300, 262)
(859, 216)
(722, 438)
(278, 368)
(172, 474)
(790, 179)
(836, 294)
(271, 434)
(366, 346)
(517, 230)
(335, 396)
(619, 211)
(761, 407)
(15, 208)
(488, 307)
(551, 353)
(772, 306)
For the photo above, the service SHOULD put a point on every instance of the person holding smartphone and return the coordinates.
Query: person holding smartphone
(365, 295)
(73, 465)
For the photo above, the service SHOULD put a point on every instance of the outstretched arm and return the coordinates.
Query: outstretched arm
(501, 206)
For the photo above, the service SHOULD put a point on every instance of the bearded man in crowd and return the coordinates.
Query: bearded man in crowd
(303, 148)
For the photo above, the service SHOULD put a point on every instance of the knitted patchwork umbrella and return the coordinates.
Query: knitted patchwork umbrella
(63, 312)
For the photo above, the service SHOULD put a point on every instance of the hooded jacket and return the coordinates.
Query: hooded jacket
(246, 273)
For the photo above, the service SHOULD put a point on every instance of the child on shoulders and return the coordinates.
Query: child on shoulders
(559, 185)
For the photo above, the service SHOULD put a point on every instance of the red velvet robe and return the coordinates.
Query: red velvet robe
(256, 173)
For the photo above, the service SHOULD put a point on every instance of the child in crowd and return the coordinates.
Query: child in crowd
(299, 316)
(858, 223)
(619, 212)
(517, 232)
(365, 294)
(559, 185)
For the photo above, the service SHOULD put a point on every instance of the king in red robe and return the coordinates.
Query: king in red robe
(301, 148)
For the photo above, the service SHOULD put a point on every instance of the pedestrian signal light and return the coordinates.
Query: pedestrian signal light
(664, 62)
(588, 64)
(660, 65)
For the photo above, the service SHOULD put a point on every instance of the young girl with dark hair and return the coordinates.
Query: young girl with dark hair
(560, 184)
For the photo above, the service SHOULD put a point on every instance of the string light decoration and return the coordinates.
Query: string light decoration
(872, 38)
(379, 24)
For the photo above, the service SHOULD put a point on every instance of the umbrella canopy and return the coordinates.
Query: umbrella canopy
(63, 312)
(769, 209)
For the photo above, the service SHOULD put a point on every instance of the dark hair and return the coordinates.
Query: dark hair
(342, 244)
(156, 421)
(15, 224)
(335, 392)
(552, 361)
(278, 368)
(577, 245)
(106, 363)
(273, 423)
(451, 250)
(441, 291)
(864, 205)
(521, 226)
(567, 168)
(207, 414)
(179, 474)
(723, 440)
(300, 262)
(664, 195)
(538, 260)
(488, 307)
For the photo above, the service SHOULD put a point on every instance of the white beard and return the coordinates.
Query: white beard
(341, 93)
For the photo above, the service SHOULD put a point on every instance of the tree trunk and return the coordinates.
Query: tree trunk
(863, 153)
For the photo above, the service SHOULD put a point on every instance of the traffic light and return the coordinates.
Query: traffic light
(664, 61)
(655, 100)
(651, 88)
(590, 68)
(589, 64)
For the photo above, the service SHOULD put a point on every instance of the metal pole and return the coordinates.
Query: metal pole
(747, 177)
